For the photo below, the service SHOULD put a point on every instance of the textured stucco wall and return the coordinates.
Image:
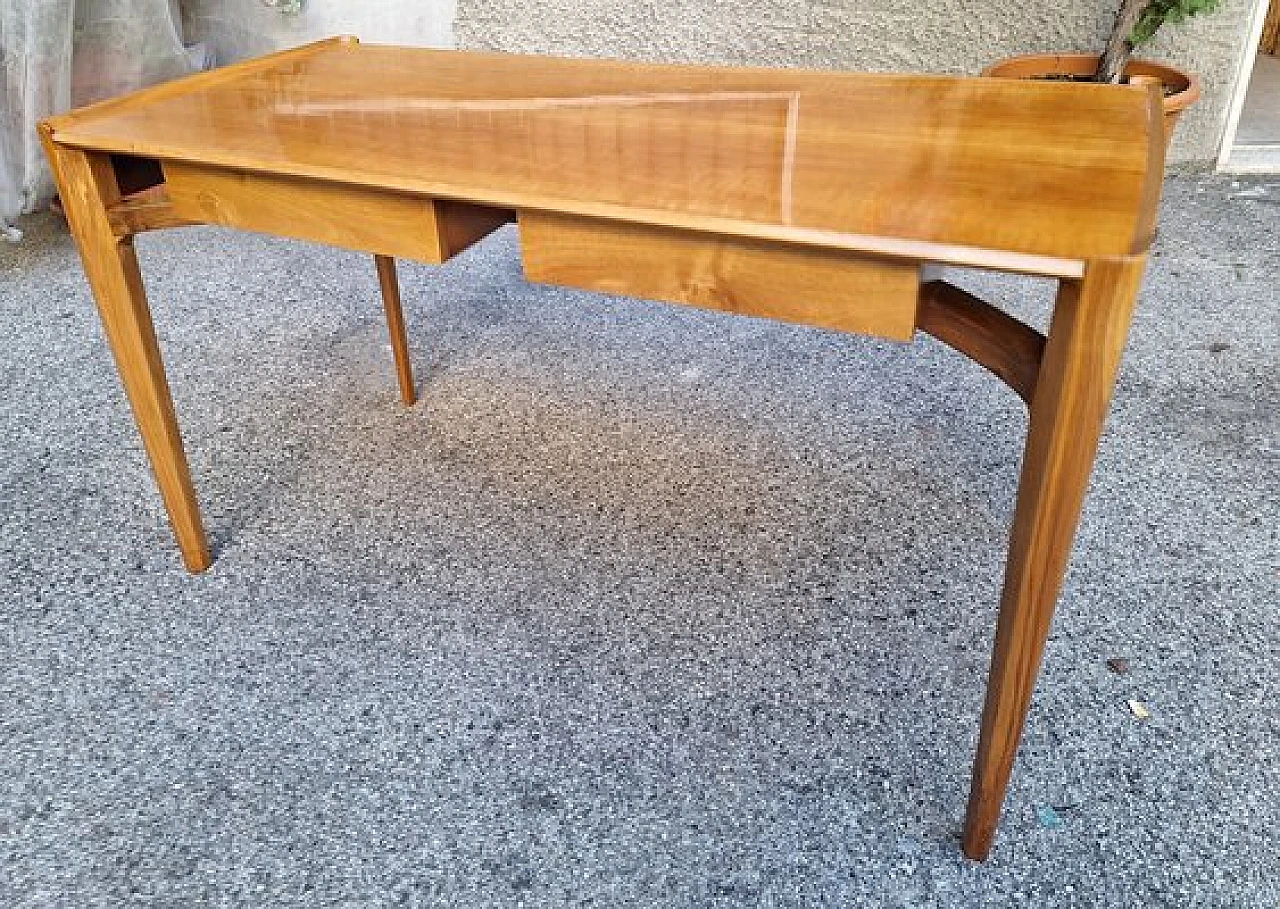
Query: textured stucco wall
(953, 36)
(956, 36)
(244, 28)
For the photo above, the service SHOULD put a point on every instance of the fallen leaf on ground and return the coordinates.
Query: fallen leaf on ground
(1140, 710)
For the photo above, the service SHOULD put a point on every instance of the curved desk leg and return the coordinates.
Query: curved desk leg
(395, 325)
(88, 186)
(1070, 402)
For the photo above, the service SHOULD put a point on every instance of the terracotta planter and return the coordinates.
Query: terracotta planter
(1183, 88)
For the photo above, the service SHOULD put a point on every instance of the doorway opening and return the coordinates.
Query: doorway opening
(1252, 139)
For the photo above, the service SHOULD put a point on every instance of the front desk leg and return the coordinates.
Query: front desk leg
(87, 184)
(1069, 405)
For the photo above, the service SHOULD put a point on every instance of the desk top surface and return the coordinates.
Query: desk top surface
(1034, 168)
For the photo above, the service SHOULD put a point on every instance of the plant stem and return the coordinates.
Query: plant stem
(1115, 57)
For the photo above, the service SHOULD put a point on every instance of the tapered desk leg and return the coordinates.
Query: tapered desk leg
(87, 185)
(395, 325)
(1072, 395)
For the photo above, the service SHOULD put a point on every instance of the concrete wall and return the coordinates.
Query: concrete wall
(954, 36)
(244, 28)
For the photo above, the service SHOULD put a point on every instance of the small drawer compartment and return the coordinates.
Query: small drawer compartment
(352, 217)
(822, 287)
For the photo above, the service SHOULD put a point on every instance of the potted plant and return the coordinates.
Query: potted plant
(1136, 23)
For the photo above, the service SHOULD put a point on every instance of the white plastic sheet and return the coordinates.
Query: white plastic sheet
(56, 54)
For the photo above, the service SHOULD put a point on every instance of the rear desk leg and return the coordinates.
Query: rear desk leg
(395, 326)
(1069, 405)
(87, 183)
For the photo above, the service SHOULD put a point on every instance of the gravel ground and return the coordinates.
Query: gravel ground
(639, 606)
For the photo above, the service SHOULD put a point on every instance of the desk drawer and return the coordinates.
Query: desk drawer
(352, 217)
(826, 288)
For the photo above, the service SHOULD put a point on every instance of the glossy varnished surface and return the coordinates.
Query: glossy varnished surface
(1056, 170)
(352, 217)
(825, 288)
(687, 184)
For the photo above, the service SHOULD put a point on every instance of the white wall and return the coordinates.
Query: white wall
(942, 36)
(245, 28)
(954, 36)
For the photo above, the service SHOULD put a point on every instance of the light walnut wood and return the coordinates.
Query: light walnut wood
(1270, 42)
(390, 286)
(150, 209)
(88, 187)
(813, 197)
(1082, 356)
(794, 284)
(964, 164)
(353, 217)
(1007, 347)
(460, 224)
(202, 81)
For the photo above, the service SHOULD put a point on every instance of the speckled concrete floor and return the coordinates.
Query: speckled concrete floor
(640, 606)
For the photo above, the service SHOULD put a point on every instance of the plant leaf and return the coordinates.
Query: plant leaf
(1159, 12)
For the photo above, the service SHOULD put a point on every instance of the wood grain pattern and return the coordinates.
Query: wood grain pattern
(794, 284)
(810, 197)
(1270, 42)
(965, 163)
(150, 209)
(378, 221)
(1008, 348)
(350, 217)
(87, 184)
(196, 82)
(1082, 356)
(460, 224)
(390, 285)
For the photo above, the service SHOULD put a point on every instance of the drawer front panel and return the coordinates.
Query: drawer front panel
(825, 288)
(351, 217)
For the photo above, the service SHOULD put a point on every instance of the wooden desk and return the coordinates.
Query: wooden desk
(806, 196)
